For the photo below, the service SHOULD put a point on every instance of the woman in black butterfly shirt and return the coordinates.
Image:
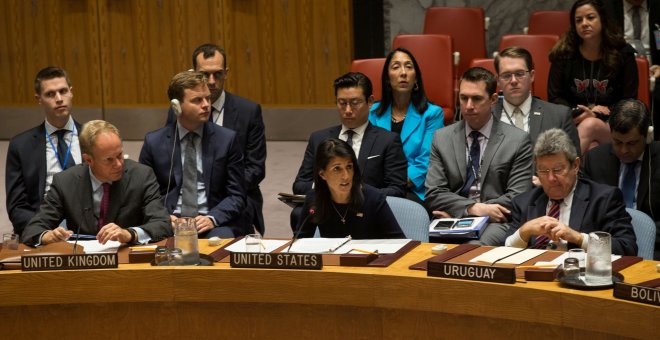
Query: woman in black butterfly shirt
(592, 68)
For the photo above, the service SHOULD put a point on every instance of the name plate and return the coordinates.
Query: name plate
(647, 295)
(471, 272)
(276, 261)
(67, 262)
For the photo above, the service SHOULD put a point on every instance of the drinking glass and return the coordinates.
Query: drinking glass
(253, 243)
(10, 241)
(599, 259)
(579, 254)
(185, 238)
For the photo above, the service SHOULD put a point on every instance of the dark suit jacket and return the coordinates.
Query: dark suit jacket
(134, 202)
(544, 116)
(615, 8)
(25, 175)
(601, 165)
(596, 207)
(244, 117)
(506, 168)
(375, 222)
(381, 161)
(222, 166)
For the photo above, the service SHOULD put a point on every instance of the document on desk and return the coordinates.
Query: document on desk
(93, 246)
(318, 245)
(508, 255)
(268, 246)
(560, 260)
(380, 246)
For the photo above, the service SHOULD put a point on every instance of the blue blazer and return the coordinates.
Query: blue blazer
(416, 136)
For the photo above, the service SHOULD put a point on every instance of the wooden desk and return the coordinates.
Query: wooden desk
(138, 301)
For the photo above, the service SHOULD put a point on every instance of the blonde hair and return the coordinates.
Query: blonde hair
(90, 130)
(184, 80)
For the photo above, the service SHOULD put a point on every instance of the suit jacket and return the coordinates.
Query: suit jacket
(595, 207)
(544, 116)
(506, 168)
(222, 169)
(416, 135)
(244, 117)
(25, 175)
(601, 165)
(134, 202)
(615, 8)
(381, 161)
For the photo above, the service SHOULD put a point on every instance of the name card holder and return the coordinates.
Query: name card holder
(276, 260)
(471, 272)
(647, 292)
(69, 262)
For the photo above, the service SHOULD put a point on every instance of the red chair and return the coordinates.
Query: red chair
(644, 88)
(373, 69)
(434, 55)
(487, 63)
(539, 46)
(549, 22)
(466, 25)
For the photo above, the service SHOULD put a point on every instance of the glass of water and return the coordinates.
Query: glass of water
(253, 243)
(185, 238)
(599, 259)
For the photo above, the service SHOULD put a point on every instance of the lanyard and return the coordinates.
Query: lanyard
(215, 120)
(68, 149)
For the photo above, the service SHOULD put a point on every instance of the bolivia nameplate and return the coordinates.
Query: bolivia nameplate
(69, 262)
(471, 272)
(276, 261)
(647, 295)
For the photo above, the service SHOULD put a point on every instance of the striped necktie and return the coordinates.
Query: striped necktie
(542, 241)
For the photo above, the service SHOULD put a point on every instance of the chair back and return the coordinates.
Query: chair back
(644, 87)
(373, 69)
(549, 22)
(644, 231)
(411, 216)
(487, 63)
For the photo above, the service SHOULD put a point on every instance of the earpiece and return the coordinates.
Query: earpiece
(649, 135)
(176, 106)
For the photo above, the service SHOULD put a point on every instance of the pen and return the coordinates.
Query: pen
(143, 248)
(365, 251)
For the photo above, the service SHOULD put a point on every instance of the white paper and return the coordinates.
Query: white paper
(268, 246)
(502, 252)
(317, 245)
(560, 259)
(381, 246)
(93, 246)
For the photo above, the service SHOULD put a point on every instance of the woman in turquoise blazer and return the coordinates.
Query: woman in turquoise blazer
(404, 109)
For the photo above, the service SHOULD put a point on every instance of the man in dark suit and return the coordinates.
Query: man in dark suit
(515, 69)
(112, 198)
(198, 164)
(238, 114)
(35, 155)
(380, 153)
(461, 181)
(631, 155)
(564, 210)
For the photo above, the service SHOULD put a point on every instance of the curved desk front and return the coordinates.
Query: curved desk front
(138, 301)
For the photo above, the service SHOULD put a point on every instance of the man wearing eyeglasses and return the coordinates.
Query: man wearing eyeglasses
(35, 155)
(240, 115)
(515, 69)
(564, 209)
(379, 152)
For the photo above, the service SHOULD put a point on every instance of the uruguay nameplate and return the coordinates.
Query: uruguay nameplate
(276, 261)
(647, 295)
(471, 272)
(69, 262)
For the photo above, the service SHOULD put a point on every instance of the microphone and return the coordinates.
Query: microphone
(299, 229)
(75, 244)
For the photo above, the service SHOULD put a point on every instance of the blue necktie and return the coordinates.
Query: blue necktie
(63, 149)
(472, 164)
(628, 184)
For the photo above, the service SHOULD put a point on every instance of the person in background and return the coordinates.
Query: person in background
(592, 68)
(405, 110)
(342, 205)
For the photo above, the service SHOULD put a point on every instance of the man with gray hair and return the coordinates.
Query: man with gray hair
(564, 209)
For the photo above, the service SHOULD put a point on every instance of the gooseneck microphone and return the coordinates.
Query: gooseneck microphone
(299, 229)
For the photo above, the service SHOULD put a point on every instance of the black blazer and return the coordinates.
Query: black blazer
(245, 118)
(381, 161)
(222, 166)
(596, 207)
(134, 202)
(25, 175)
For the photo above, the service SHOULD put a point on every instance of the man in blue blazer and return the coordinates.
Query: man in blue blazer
(35, 155)
(219, 194)
(238, 114)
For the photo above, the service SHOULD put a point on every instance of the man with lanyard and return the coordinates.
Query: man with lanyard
(35, 155)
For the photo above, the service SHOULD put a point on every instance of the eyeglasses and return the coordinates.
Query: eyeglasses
(506, 76)
(353, 103)
(560, 172)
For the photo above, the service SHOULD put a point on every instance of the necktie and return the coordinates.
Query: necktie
(63, 149)
(629, 183)
(105, 203)
(541, 241)
(518, 118)
(349, 138)
(473, 163)
(637, 22)
(189, 194)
